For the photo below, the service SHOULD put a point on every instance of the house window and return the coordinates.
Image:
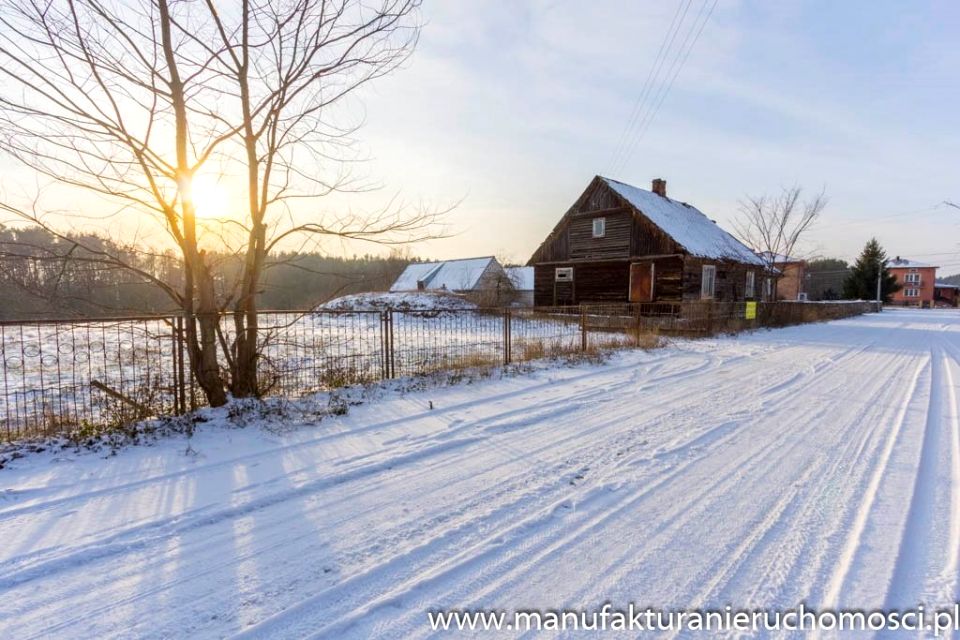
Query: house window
(911, 293)
(768, 288)
(599, 227)
(913, 278)
(708, 281)
(563, 274)
(748, 290)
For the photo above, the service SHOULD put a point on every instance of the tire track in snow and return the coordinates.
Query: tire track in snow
(946, 587)
(795, 430)
(547, 547)
(599, 444)
(909, 573)
(400, 454)
(849, 550)
(547, 516)
(494, 543)
(784, 556)
(324, 439)
(836, 359)
(18, 570)
(211, 520)
(591, 375)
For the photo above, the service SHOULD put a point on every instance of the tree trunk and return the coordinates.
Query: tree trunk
(202, 343)
(244, 381)
(245, 378)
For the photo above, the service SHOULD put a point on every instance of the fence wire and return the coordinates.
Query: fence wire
(73, 377)
(63, 376)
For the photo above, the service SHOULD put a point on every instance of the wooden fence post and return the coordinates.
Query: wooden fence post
(179, 374)
(507, 321)
(583, 328)
(637, 316)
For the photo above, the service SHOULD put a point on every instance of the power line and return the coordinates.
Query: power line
(679, 62)
(641, 103)
(891, 216)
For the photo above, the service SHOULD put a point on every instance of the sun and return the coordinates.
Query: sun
(211, 199)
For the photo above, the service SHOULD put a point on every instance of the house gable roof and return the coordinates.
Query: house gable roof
(453, 275)
(685, 225)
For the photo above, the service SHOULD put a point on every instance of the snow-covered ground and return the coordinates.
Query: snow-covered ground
(817, 464)
(399, 301)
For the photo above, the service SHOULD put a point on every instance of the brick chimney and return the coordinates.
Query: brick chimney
(659, 187)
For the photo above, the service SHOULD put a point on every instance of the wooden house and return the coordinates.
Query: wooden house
(619, 243)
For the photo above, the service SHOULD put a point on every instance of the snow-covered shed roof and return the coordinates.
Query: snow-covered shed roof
(687, 225)
(946, 285)
(453, 275)
(906, 263)
(521, 277)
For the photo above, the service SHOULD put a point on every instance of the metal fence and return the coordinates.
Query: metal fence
(69, 376)
(79, 377)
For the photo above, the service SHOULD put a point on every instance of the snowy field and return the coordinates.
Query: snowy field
(818, 464)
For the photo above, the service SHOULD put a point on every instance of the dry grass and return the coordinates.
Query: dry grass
(648, 340)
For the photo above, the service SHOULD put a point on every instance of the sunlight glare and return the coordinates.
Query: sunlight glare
(210, 197)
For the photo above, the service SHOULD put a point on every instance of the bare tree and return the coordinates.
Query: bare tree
(773, 226)
(133, 100)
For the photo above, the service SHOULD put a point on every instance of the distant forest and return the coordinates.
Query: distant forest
(40, 277)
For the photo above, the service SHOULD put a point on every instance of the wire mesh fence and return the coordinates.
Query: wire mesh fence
(76, 376)
(61, 376)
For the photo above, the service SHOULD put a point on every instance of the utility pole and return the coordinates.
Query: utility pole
(879, 279)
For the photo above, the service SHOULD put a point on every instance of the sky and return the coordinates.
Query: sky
(506, 110)
(509, 109)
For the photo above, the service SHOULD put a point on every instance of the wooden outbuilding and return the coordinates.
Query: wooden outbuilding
(480, 280)
(619, 243)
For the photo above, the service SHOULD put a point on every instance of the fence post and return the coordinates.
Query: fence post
(383, 345)
(386, 343)
(637, 316)
(583, 328)
(189, 380)
(507, 321)
(181, 390)
(389, 353)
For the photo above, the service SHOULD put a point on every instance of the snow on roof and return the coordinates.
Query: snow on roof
(946, 285)
(686, 224)
(521, 277)
(452, 275)
(906, 263)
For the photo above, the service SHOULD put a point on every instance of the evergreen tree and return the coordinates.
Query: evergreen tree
(862, 282)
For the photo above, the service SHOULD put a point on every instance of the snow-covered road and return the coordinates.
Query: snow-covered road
(816, 464)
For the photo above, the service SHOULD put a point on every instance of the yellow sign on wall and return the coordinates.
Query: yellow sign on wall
(751, 313)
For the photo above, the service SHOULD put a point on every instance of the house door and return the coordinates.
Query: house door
(641, 282)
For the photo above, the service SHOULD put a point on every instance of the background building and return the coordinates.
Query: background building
(917, 281)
